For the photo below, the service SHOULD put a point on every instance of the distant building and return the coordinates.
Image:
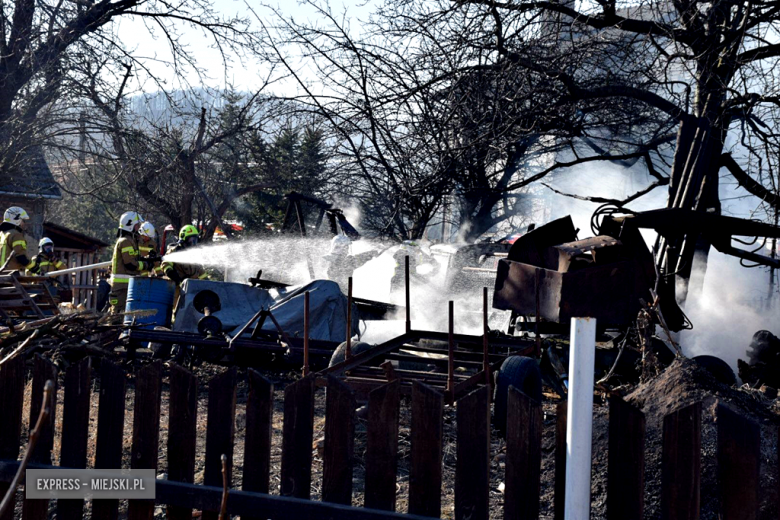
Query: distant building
(30, 188)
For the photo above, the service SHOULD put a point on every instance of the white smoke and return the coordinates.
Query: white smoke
(733, 306)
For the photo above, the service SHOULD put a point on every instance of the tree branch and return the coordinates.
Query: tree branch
(748, 182)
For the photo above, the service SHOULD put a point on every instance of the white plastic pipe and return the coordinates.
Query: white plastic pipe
(89, 267)
(579, 424)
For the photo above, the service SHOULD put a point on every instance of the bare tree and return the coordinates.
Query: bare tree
(50, 47)
(175, 163)
(710, 68)
(425, 112)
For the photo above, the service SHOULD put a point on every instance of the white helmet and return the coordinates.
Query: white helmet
(339, 245)
(15, 215)
(147, 230)
(128, 220)
(45, 241)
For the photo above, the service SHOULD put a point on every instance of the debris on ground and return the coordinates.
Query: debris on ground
(62, 338)
(762, 367)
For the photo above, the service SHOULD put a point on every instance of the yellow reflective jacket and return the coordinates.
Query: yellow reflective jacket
(43, 265)
(144, 250)
(13, 240)
(126, 261)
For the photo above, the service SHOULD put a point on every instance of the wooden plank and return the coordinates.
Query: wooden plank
(43, 370)
(472, 469)
(426, 451)
(523, 456)
(559, 499)
(739, 443)
(340, 405)
(220, 431)
(297, 434)
(626, 464)
(382, 446)
(259, 429)
(75, 429)
(146, 432)
(12, 384)
(110, 431)
(182, 433)
(681, 464)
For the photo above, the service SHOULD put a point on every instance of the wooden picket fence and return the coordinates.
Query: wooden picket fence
(738, 449)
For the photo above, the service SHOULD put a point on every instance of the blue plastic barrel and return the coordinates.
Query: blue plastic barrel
(145, 294)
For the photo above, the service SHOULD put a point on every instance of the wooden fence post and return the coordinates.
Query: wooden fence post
(220, 431)
(626, 464)
(11, 404)
(75, 430)
(739, 456)
(182, 432)
(681, 464)
(340, 405)
(472, 468)
(43, 370)
(110, 431)
(257, 443)
(382, 446)
(146, 432)
(297, 433)
(559, 499)
(426, 451)
(523, 456)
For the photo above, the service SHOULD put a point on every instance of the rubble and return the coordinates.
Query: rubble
(61, 338)
(763, 361)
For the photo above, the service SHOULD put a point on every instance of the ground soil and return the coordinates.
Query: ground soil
(681, 384)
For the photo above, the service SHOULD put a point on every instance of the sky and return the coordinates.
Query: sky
(244, 75)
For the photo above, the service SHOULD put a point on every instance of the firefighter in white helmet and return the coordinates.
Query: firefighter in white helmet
(12, 241)
(147, 246)
(126, 261)
(46, 261)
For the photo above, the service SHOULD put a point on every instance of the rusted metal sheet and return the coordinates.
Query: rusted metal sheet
(610, 293)
(557, 277)
(592, 251)
(536, 247)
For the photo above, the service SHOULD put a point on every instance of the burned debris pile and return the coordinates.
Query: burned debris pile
(61, 338)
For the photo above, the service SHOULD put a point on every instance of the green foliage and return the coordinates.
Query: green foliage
(294, 160)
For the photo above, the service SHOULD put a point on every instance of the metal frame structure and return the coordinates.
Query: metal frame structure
(477, 356)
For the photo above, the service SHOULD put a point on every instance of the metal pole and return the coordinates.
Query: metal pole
(773, 255)
(306, 333)
(451, 354)
(538, 288)
(485, 358)
(348, 350)
(406, 286)
(579, 425)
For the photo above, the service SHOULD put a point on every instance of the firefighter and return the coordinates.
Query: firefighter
(178, 271)
(418, 261)
(46, 261)
(147, 246)
(126, 261)
(12, 240)
(342, 264)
